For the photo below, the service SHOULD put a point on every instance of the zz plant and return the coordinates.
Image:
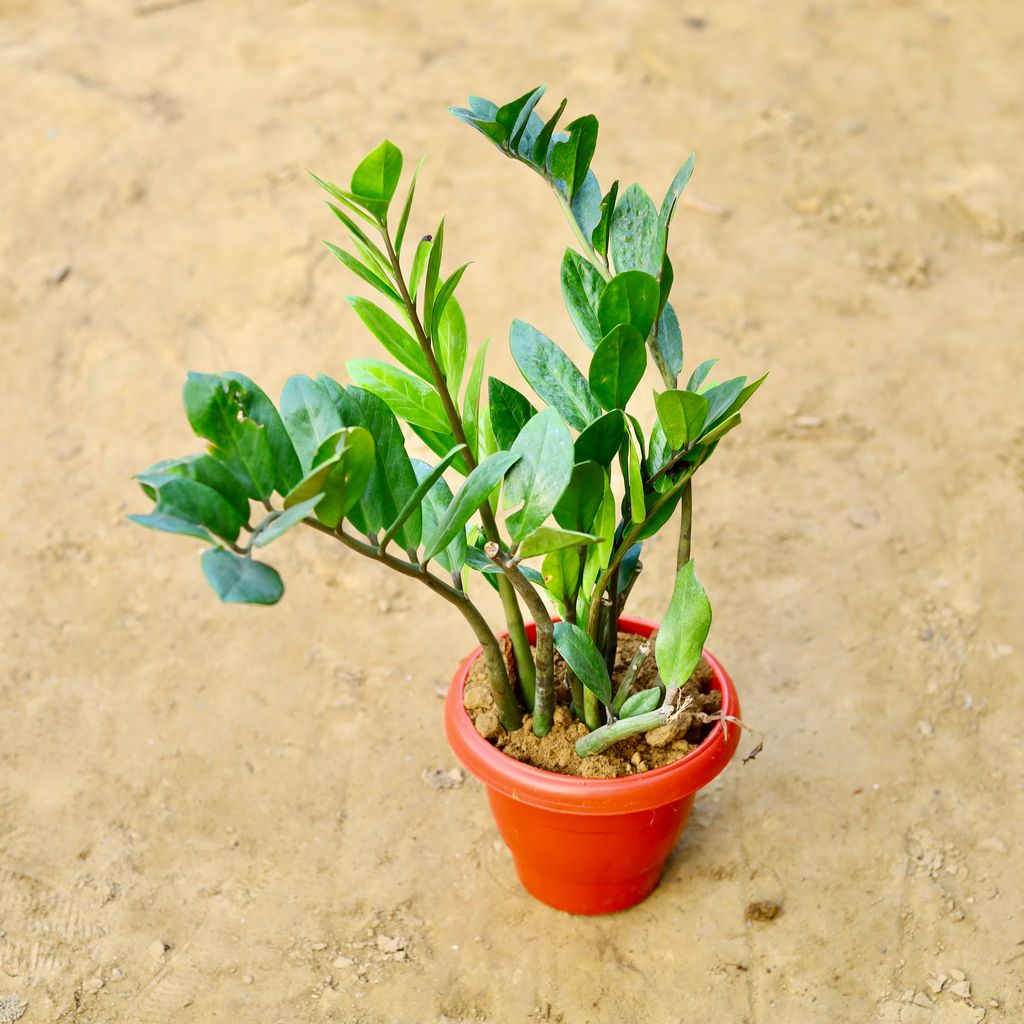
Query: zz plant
(554, 503)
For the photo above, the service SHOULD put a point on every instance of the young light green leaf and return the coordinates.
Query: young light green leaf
(543, 141)
(543, 471)
(635, 481)
(403, 222)
(642, 702)
(580, 502)
(424, 483)
(570, 160)
(347, 199)
(359, 236)
(601, 440)
(309, 416)
(561, 572)
(376, 177)
(432, 275)
(583, 657)
(370, 275)
(723, 428)
(408, 396)
(282, 522)
(684, 628)
(546, 538)
(475, 490)
(618, 366)
(435, 504)
(599, 236)
(442, 300)
(471, 401)
(582, 286)
(240, 580)
(552, 374)
(395, 338)
(509, 412)
(629, 298)
(682, 415)
(171, 524)
(634, 233)
(419, 264)
(341, 469)
(451, 342)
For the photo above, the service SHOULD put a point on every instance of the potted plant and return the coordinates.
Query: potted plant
(591, 750)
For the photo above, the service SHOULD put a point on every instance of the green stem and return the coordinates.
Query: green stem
(544, 699)
(601, 739)
(685, 525)
(513, 614)
(630, 676)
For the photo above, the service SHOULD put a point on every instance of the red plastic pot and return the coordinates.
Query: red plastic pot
(590, 846)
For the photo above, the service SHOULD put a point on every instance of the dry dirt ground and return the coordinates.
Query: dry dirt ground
(201, 815)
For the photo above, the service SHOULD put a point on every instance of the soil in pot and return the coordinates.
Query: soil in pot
(556, 752)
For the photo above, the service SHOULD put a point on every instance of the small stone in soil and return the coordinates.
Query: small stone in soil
(343, 961)
(388, 944)
(437, 778)
(762, 910)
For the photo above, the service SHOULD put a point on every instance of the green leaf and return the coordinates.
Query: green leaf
(637, 508)
(669, 340)
(684, 628)
(215, 407)
(367, 274)
(580, 502)
(586, 205)
(309, 415)
(395, 338)
(723, 428)
(642, 702)
(552, 374)
(513, 117)
(240, 580)
(682, 415)
(561, 572)
(658, 519)
(737, 404)
(668, 204)
(546, 538)
(451, 342)
(543, 141)
(721, 397)
(471, 401)
(424, 483)
(440, 444)
(474, 491)
(509, 411)
(618, 366)
(282, 522)
(634, 233)
(403, 222)
(483, 124)
(433, 275)
(375, 179)
(443, 299)
(419, 263)
(347, 199)
(628, 566)
(601, 440)
(581, 288)
(583, 657)
(171, 524)
(434, 506)
(599, 555)
(340, 472)
(407, 396)
(541, 474)
(358, 234)
(258, 407)
(206, 470)
(658, 454)
(698, 375)
(570, 160)
(629, 298)
(599, 236)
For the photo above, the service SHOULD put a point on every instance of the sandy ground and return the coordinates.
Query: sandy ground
(199, 812)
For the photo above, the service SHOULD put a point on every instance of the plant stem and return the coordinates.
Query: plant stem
(685, 525)
(544, 699)
(513, 614)
(630, 676)
(601, 739)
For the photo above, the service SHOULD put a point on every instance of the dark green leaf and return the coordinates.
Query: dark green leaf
(721, 397)
(484, 125)
(371, 276)
(434, 506)
(552, 374)
(546, 538)
(395, 338)
(682, 415)
(628, 566)
(171, 524)
(602, 439)
(206, 470)
(513, 116)
(659, 454)
(433, 275)
(684, 628)
(475, 490)
(543, 141)
(618, 366)
(698, 375)
(375, 179)
(570, 160)
(403, 222)
(408, 396)
(582, 286)
(424, 483)
(578, 506)
(282, 522)
(309, 415)
(634, 233)
(584, 659)
(629, 298)
(658, 519)
(599, 236)
(642, 702)
(509, 412)
(669, 340)
(542, 473)
(241, 580)
(440, 444)
(737, 404)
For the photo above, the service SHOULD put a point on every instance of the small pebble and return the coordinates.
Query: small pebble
(343, 961)
(762, 910)
(58, 275)
(247, 979)
(157, 949)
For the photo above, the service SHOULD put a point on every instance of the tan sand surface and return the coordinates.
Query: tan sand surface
(202, 815)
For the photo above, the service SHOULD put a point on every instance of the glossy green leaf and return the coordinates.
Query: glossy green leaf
(546, 538)
(206, 470)
(440, 444)
(347, 199)
(371, 276)
(600, 234)
(684, 628)
(419, 264)
(737, 403)
(669, 340)
(451, 342)
(642, 702)
(403, 221)
(561, 572)
(583, 657)
(586, 205)
(721, 397)
(542, 144)
(658, 455)
(509, 412)
(433, 275)
(700, 374)
(241, 580)
(282, 522)
(668, 204)
(424, 483)
(407, 396)
(395, 338)
(618, 366)
(601, 440)
(359, 236)
(171, 524)
(628, 566)
(635, 481)
(634, 240)
(570, 160)
(543, 471)
(578, 506)
(376, 177)
(599, 555)
(629, 298)
(475, 490)
(216, 409)
(434, 505)
(309, 415)
(513, 117)
(657, 520)
(582, 286)
(682, 415)
(444, 298)
(341, 469)
(552, 374)
(723, 428)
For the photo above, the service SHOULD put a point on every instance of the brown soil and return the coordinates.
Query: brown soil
(556, 752)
